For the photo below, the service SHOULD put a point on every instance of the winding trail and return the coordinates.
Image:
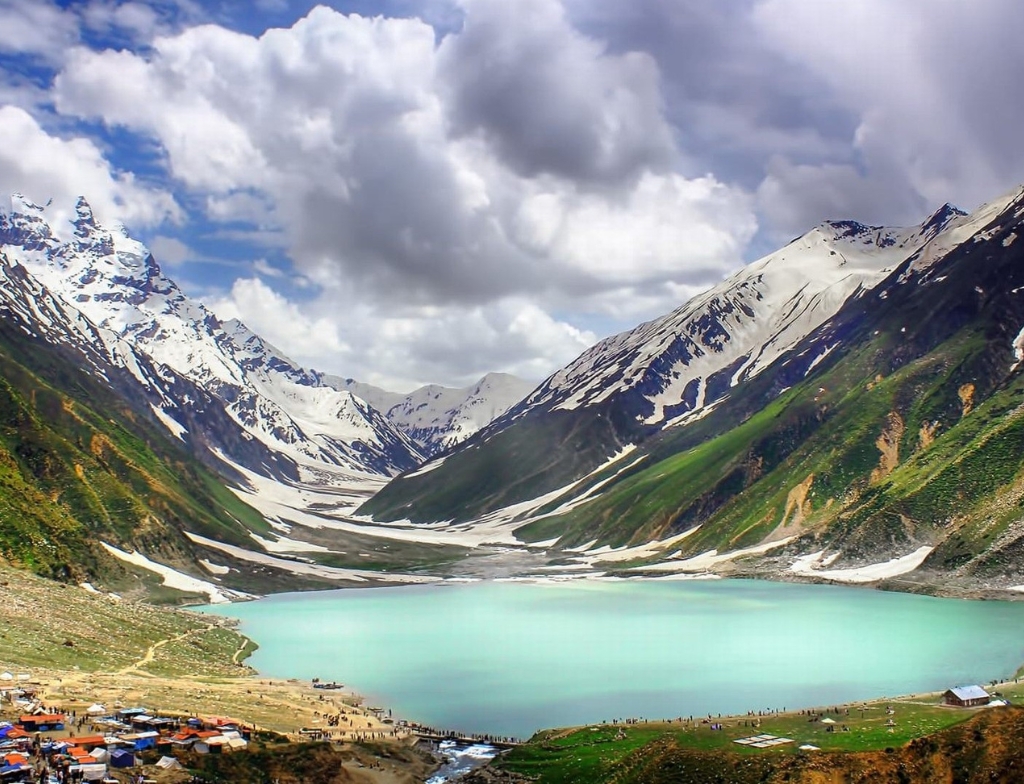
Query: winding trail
(152, 649)
(240, 651)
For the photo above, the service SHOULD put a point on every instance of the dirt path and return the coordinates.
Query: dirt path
(240, 651)
(152, 649)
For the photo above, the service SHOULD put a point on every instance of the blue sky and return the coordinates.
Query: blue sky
(408, 192)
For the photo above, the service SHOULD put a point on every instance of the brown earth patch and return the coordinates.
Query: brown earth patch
(888, 444)
(966, 395)
(926, 435)
(797, 503)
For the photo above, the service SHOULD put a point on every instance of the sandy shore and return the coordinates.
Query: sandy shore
(282, 706)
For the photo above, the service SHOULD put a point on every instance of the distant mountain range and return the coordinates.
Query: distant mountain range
(217, 385)
(438, 418)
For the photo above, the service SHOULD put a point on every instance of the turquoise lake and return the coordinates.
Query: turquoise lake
(508, 658)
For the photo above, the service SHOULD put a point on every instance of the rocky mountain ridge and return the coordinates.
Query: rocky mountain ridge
(140, 317)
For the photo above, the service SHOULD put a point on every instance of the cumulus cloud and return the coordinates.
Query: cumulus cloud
(170, 251)
(46, 167)
(551, 100)
(930, 86)
(596, 159)
(385, 163)
(407, 347)
(279, 321)
(36, 27)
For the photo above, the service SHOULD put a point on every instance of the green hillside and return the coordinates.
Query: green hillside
(905, 431)
(78, 466)
(910, 433)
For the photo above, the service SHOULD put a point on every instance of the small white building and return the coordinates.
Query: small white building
(966, 696)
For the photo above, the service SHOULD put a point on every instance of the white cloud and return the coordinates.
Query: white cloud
(170, 251)
(46, 167)
(36, 27)
(280, 322)
(643, 235)
(139, 20)
(339, 130)
(407, 347)
(932, 86)
(550, 99)
(397, 184)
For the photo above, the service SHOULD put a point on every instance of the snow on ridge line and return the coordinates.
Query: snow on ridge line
(285, 545)
(427, 467)
(213, 568)
(170, 423)
(172, 578)
(604, 554)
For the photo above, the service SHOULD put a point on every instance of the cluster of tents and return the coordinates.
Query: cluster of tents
(122, 737)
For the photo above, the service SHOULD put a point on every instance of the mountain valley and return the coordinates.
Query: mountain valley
(843, 409)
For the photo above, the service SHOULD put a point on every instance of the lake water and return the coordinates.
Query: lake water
(508, 658)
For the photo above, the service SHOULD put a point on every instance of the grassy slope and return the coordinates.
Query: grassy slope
(908, 363)
(51, 625)
(77, 465)
(925, 735)
(492, 471)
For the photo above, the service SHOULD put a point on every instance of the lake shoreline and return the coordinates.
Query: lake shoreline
(610, 587)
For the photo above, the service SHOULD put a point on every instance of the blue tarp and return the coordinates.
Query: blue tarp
(121, 759)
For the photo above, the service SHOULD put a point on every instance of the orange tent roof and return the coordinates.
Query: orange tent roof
(16, 759)
(91, 740)
(42, 718)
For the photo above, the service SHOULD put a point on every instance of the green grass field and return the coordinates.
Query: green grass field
(598, 753)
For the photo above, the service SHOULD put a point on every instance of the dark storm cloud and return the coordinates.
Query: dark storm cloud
(549, 99)
(404, 226)
(732, 100)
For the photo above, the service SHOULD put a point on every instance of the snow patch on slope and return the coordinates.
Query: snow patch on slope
(309, 569)
(807, 565)
(172, 578)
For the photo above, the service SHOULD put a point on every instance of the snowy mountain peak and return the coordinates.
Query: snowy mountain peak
(23, 206)
(942, 216)
(436, 417)
(675, 366)
(112, 281)
(86, 221)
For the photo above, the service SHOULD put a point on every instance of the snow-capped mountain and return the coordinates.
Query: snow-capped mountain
(214, 384)
(682, 362)
(437, 418)
(675, 369)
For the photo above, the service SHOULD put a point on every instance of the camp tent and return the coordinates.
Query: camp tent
(168, 763)
(6, 676)
(827, 720)
(96, 710)
(91, 772)
(121, 759)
